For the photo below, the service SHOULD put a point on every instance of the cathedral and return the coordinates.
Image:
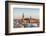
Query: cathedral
(25, 20)
(29, 20)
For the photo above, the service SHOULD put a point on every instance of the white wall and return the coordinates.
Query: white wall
(2, 18)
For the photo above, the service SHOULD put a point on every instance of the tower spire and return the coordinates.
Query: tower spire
(23, 15)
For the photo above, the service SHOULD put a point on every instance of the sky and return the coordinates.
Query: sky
(33, 12)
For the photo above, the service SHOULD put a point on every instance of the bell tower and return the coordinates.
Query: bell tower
(23, 17)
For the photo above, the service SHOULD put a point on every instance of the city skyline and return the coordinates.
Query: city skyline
(33, 12)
